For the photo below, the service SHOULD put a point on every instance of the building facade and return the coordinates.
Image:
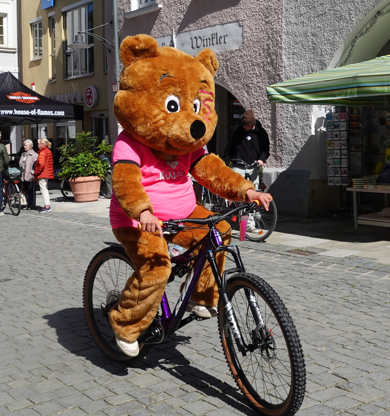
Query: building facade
(9, 56)
(61, 61)
(259, 43)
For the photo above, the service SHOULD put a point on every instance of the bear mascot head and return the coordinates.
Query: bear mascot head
(167, 97)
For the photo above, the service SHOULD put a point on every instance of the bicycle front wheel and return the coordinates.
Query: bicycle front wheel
(105, 278)
(66, 190)
(272, 374)
(14, 200)
(264, 221)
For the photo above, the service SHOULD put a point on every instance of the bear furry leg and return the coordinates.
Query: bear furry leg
(141, 297)
(206, 291)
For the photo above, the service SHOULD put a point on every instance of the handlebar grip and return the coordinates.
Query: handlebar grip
(140, 225)
(259, 203)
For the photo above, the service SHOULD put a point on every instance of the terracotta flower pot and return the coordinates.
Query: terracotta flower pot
(86, 189)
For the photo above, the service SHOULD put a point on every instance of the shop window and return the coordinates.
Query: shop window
(53, 48)
(36, 30)
(79, 61)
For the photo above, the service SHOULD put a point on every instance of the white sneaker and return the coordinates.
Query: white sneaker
(254, 230)
(129, 348)
(202, 311)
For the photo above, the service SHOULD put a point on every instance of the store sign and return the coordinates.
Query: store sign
(90, 96)
(217, 38)
(47, 3)
(22, 97)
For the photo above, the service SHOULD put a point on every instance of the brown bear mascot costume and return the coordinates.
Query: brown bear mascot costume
(166, 107)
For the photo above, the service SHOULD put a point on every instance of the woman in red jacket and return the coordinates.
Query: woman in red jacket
(44, 171)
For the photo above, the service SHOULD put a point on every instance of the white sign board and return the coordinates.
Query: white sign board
(217, 38)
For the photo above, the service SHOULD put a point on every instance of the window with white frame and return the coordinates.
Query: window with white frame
(79, 62)
(53, 48)
(36, 30)
(2, 30)
(139, 4)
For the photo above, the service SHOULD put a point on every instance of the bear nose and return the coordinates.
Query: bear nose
(197, 129)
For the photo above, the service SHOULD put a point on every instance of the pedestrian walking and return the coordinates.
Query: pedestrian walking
(44, 171)
(4, 162)
(27, 165)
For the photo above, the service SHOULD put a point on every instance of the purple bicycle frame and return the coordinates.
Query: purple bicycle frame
(170, 320)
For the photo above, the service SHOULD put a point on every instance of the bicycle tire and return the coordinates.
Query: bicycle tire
(261, 373)
(14, 199)
(104, 280)
(66, 190)
(106, 187)
(265, 221)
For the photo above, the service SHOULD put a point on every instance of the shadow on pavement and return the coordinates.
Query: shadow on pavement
(73, 334)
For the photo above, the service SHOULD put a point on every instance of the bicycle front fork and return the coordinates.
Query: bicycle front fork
(229, 310)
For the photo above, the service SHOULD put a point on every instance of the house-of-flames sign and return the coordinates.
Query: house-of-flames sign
(217, 38)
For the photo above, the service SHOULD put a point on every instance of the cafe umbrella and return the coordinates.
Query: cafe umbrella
(361, 84)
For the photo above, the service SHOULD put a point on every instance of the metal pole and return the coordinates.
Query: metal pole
(117, 72)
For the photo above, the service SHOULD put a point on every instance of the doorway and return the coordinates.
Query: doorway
(99, 125)
(229, 111)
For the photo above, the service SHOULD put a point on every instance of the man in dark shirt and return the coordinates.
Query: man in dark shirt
(249, 143)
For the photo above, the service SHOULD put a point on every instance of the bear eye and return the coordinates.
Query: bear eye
(196, 106)
(172, 104)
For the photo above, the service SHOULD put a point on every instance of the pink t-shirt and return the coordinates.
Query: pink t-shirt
(166, 183)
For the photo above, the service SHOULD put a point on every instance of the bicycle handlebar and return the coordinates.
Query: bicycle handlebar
(177, 225)
(247, 166)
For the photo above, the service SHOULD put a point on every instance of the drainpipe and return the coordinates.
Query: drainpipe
(114, 5)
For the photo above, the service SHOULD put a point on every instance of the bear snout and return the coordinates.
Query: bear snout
(197, 129)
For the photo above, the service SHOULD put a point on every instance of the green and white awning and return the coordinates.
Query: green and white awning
(365, 83)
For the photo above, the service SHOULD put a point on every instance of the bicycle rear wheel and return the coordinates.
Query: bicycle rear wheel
(66, 190)
(105, 278)
(264, 221)
(272, 374)
(14, 200)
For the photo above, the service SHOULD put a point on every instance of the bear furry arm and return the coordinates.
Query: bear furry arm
(131, 195)
(212, 173)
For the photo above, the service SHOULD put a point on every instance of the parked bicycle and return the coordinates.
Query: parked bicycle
(259, 339)
(265, 221)
(11, 192)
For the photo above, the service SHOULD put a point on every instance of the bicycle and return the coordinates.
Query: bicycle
(263, 220)
(258, 337)
(11, 194)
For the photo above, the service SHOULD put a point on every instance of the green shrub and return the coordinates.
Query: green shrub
(80, 158)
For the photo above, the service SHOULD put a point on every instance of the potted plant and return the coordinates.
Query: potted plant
(84, 166)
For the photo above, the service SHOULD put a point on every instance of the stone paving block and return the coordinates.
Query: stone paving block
(48, 408)
(94, 406)
(199, 407)
(26, 412)
(97, 393)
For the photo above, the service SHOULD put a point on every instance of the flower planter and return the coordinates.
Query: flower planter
(86, 189)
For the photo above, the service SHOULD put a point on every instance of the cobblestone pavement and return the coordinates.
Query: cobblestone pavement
(49, 364)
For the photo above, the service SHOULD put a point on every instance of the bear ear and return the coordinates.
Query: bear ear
(135, 48)
(208, 58)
